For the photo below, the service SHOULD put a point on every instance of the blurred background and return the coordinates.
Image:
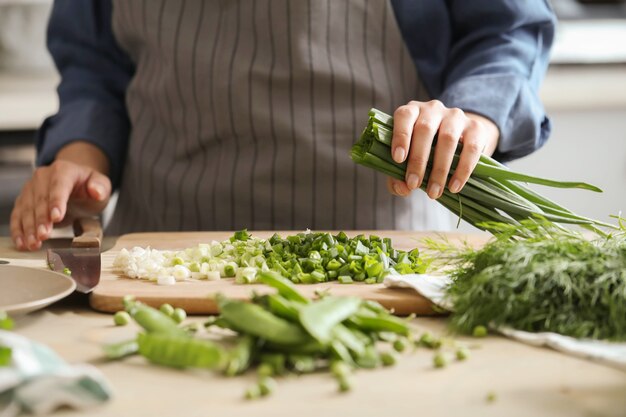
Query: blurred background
(584, 93)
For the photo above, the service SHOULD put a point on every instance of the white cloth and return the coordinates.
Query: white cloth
(37, 381)
(432, 287)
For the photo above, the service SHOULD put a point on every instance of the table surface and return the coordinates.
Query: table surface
(526, 381)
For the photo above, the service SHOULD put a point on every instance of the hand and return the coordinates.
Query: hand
(57, 193)
(415, 126)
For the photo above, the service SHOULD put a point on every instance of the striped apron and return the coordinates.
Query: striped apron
(243, 114)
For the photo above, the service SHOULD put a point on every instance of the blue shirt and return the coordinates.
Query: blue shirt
(483, 56)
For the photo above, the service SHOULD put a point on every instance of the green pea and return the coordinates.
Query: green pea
(344, 384)
(479, 331)
(167, 309)
(265, 370)
(121, 318)
(340, 369)
(439, 360)
(179, 315)
(399, 345)
(387, 359)
(267, 385)
(253, 392)
(462, 354)
(429, 341)
(491, 397)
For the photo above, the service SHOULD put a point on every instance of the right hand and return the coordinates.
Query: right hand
(56, 194)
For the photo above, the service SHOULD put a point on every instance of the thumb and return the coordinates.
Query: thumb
(98, 186)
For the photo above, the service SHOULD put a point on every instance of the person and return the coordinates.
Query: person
(222, 115)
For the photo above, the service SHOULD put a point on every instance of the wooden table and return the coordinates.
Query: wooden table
(526, 381)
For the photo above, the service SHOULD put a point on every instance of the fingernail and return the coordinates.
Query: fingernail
(397, 189)
(31, 240)
(19, 243)
(455, 186)
(398, 154)
(433, 191)
(99, 191)
(412, 181)
(42, 230)
(55, 214)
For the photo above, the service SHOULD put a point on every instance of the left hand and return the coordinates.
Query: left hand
(415, 126)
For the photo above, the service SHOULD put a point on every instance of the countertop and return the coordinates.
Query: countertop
(526, 381)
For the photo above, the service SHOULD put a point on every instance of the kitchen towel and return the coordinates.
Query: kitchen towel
(37, 381)
(432, 287)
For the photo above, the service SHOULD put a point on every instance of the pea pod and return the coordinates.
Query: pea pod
(282, 307)
(380, 324)
(240, 356)
(321, 317)
(284, 286)
(255, 320)
(349, 339)
(121, 350)
(180, 352)
(154, 321)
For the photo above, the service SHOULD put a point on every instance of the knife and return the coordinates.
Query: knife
(82, 259)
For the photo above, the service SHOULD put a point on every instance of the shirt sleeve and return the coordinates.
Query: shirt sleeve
(487, 57)
(94, 75)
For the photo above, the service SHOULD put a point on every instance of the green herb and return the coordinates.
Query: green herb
(554, 280)
(492, 194)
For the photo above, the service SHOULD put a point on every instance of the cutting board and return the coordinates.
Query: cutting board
(197, 297)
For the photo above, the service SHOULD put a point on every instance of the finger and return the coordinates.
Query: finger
(473, 147)
(41, 181)
(397, 187)
(424, 132)
(28, 222)
(62, 182)
(17, 233)
(403, 120)
(451, 129)
(99, 186)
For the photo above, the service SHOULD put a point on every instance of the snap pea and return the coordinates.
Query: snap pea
(349, 339)
(240, 357)
(321, 317)
(180, 352)
(380, 324)
(154, 321)
(253, 319)
(121, 349)
(276, 361)
(285, 287)
(282, 307)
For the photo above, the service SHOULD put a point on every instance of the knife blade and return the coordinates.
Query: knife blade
(82, 259)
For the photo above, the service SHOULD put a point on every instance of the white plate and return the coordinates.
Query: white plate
(25, 289)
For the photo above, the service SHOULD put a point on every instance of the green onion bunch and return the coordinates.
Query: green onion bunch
(493, 193)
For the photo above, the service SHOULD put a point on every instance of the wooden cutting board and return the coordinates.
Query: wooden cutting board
(196, 297)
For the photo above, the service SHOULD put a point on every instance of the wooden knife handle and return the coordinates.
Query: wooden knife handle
(88, 232)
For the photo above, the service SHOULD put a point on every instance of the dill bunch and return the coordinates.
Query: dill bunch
(552, 280)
